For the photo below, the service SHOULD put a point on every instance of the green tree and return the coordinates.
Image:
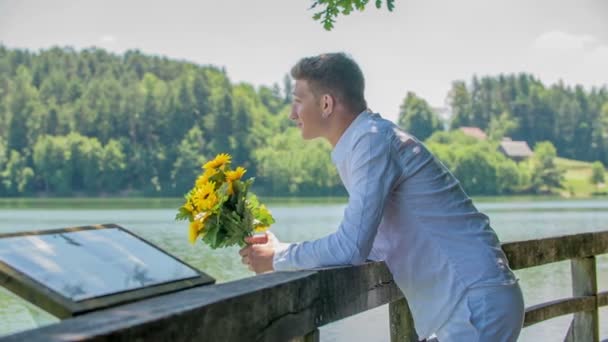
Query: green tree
(25, 121)
(508, 178)
(546, 176)
(502, 126)
(597, 173)
(52, 163)
(417, 117)
(17, 178)
(600, 134)
(220, 123)
(113, 166)
(86, 157)
(190, 158)
(3, 155)
(55, 88)
(288, 166)
(478, 165)
(287, 89)
(475, 171)
(272, 98)
(460, 102)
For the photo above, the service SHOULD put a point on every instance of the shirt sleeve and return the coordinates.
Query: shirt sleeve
(373, 173)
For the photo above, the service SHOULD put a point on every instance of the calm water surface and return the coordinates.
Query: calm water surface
(298, 220)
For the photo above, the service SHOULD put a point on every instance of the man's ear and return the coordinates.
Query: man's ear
(327, 105)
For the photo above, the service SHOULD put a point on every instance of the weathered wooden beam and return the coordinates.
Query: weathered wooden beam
(271, 307)
(585, 324)
(524, 254)
(602, 298)
(347, 291)
(218, 312)
(544, 311)
(401, 322)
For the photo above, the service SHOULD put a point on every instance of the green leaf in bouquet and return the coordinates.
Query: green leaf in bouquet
(247, 184)
(212, 233)
(253, 201)
(234, 234)
(263, 214)
(268, 216)
(183, 214)
(222, 193)
(219, 178)
(235, 228)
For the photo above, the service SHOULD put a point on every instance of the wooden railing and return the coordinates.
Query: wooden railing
(291, 306)
(581, 250)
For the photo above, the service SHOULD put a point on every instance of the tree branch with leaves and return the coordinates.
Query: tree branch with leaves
(333, 8)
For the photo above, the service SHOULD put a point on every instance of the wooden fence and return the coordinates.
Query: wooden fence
(291, 306)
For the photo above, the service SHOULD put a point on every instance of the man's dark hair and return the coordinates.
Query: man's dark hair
(336, 74)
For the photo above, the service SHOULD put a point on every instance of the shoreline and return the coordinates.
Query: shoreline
(124, 202)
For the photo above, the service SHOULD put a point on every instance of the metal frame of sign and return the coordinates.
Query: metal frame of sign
(63, 307)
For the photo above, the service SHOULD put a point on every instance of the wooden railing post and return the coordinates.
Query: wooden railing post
(585, 325)
(401, 322)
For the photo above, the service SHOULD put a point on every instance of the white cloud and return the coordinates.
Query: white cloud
(557, 40)
(575, 59)
(107, 39)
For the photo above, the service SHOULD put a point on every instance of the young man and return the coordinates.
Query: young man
(404, 208)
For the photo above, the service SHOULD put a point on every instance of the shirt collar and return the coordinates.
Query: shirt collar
(343, 146)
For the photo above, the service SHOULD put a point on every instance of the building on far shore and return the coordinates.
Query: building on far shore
(515, 150)
(474, 132)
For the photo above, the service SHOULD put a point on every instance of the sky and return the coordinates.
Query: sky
(422, 46)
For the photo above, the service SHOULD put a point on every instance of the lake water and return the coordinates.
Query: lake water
(298, 220)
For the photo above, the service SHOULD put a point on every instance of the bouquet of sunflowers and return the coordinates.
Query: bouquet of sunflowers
(220, 208)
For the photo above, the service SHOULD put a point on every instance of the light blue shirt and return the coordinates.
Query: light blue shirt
(407, 209)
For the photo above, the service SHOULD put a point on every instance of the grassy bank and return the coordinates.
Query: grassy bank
(577, 179)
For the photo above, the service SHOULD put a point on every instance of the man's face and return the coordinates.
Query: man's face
(306, 111)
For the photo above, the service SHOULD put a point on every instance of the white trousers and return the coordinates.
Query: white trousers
(486, 314)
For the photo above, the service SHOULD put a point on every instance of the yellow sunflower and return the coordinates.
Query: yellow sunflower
(232, 176)
(193, 231)
(204, 198)
(236, 174)
(220, 160)
(204, 178)
(197, 227)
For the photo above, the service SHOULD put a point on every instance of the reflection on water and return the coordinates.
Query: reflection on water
(512, 220)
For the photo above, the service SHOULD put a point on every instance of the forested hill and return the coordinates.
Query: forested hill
(94, 123)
